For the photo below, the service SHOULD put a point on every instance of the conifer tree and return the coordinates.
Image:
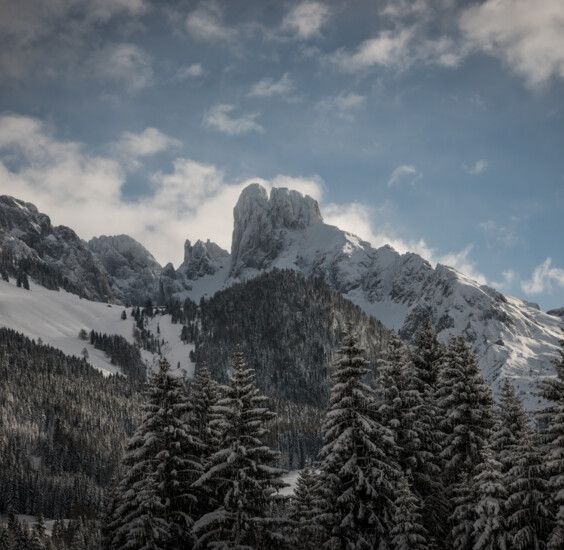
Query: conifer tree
(490, 531)
(357, 472)
(399, 402)
(465, 402)
(528, 516)
(39, 533)
(510, 427)
(553, 390)
(307, 533)
(463, 514)
(155, 497)
(204, 423)
(241, 473)
(408, 532)
(426, 357)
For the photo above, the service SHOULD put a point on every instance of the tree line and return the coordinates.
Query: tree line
(416, 455)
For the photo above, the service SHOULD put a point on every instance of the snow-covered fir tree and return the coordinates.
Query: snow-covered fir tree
(204, 395)
(510, 426)
(358, 474)
(399, 403)
(306, 533)
(528, 514)
(465, 402)
(203, 423)
(463, 515)
(426, 356)
(490, 530)
(553, 437)
(408, 532)
(241, 474)
(155, 499)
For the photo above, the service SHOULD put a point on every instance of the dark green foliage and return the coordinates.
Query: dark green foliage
(241, 474)
(289, 328)
(62, 429)
(465, 403)
(121, 353)
(358, 472)
(553, 390)
(155, 502)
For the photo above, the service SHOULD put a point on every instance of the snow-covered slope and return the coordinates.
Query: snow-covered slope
(57, 316)
(511, 338)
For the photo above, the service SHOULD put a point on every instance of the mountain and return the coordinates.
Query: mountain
(285, 230)
(511, 338)
(133, 271)
(558, 312)
(54, 256)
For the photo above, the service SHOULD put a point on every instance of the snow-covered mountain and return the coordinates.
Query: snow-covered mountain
(55, 256)
(133, 271)
(510, 337)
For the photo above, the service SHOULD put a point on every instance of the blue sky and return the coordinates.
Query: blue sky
(437, 126)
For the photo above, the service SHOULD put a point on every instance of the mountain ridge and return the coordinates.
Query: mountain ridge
(285, 230)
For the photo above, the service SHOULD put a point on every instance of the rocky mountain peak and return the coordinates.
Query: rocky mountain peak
(202, 258)
(260, 222)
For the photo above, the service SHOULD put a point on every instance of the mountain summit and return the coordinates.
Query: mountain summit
(260, 222)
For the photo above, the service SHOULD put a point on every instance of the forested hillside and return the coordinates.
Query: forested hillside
(62, 429)
(288, 327)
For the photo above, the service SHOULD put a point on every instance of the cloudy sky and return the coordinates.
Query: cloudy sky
(434, 125)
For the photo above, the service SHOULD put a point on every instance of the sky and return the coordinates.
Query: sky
(436, 126)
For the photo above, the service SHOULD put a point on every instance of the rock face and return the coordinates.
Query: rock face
(202, 258)
(559, 312)
(55, 256)
(261, 223)
(133, 271)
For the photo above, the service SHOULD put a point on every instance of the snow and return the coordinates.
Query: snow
(291, 479)
(57, 316)
(30, 521)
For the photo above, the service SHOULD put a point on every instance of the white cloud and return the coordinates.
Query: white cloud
(125, 64)
(508, 277)
(388, 48)
(405, 8)
(206, 23)
(527, 36)
(306, 19)
(479, 167)
(49, 38)
(268, 87)
(405, 172)
(342, 102)
(132, 146)
(220, 118)
(543, 277)
(194, 70)
(27, 20)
